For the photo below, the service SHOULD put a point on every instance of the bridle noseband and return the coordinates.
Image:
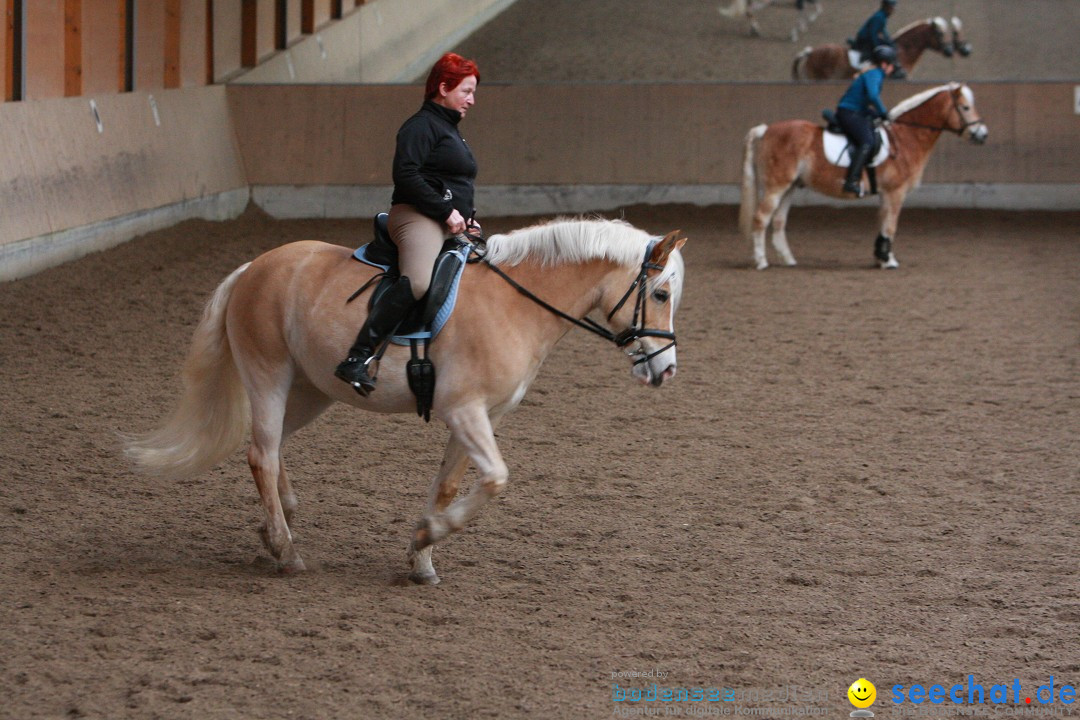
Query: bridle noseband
(637, 329)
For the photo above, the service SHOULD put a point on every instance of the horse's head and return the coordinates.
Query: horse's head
(966, 120)
(941, 40)
(643, 316)
(962, 46)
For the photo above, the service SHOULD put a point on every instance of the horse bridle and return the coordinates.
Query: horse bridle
(637, 329)
(960, 114)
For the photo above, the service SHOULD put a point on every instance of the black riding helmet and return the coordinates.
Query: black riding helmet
(884, 54)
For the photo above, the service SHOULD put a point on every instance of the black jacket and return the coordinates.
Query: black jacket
(433, 167)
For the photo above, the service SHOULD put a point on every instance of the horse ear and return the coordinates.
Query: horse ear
(671, 241)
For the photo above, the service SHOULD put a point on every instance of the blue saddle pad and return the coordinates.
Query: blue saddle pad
(445, 307)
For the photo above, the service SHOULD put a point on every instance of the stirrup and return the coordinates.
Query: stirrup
(354, 371)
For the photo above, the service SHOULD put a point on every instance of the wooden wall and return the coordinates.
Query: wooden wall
(679, 134)
(79, 47)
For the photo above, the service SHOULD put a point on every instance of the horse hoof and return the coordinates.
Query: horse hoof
(762, 264)
(890, 264)
(424, 578)
(293, 568)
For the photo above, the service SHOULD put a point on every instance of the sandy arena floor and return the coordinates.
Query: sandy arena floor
(855, 473)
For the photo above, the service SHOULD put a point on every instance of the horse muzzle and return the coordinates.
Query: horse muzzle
(656, 369)
(964, 49)
(947, 50)
(978, 133)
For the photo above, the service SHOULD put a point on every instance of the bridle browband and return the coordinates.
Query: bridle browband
(956, 107)
(637, 329)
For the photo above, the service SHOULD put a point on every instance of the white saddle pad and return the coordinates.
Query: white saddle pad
(855, 58)
(836, 149)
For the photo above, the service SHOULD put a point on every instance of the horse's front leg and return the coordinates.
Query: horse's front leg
(471, 427)
(443, 490)
(888, 215)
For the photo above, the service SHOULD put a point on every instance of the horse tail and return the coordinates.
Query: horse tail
(800, 60)
(748, 205)
(736, 9)
(212, 416)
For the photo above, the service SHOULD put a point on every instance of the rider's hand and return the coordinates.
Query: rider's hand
(474, 228)
(455, 223)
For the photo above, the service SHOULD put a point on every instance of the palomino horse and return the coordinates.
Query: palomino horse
(833, 62)
(265, 351)
(785, 155)
(749, 10)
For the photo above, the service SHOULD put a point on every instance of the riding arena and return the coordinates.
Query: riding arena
(693, 449)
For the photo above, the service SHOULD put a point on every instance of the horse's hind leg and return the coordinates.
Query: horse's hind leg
(443, 490)
(269, 410)
(305, 403)
(472, 428)
(779, 227)
(760, 224)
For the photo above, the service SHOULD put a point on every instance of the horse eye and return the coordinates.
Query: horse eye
(661, 296)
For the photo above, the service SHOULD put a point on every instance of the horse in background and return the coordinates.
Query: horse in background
(749, 8)
(783, 156)
(839, 62)
(264, 353)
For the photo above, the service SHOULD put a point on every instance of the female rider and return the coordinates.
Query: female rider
(433, 175)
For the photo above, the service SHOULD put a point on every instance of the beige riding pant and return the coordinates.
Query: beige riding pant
(419, 239)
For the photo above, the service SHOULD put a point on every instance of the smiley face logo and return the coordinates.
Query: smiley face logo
(862, 693)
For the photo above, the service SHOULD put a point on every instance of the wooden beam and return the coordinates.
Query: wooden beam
(127, 45)
(209, 42)
(15, 31)
(281, 24)
(73, 69)
(249, 37)
(336, 9)
(173, 24)
(307, 16)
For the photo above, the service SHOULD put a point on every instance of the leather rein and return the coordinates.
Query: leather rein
(637, 329)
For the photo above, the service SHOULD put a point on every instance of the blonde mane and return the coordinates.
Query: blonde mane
(939, 21)
(578, 240)
(916, 100)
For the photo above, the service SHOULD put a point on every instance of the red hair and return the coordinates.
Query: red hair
(450, 69)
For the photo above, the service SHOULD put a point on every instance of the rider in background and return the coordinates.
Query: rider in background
(873, 33)
(856, 112)
(433, 172)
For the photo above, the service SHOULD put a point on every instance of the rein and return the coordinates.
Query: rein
(636, 331)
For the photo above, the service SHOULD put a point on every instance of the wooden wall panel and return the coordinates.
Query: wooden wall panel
(103, 46)
(265, 41)
(44, 49)
(294, 20)
(610, 135)
(149, 45)
(227, 24)
(193, 43)
(58, 172)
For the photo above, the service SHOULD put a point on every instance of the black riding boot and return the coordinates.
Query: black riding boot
(388, 312)
(853, 181)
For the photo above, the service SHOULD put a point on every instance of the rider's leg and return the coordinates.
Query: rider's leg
(385, 315)
(419, 240)
(860, 132)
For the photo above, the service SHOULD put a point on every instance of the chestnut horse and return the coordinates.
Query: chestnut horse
(832, 62)
(783, 156)
(749, 9)
(264, 353)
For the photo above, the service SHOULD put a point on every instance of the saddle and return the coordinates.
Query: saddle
(838, 148)
(427, 316)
